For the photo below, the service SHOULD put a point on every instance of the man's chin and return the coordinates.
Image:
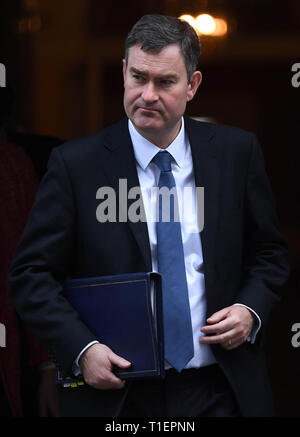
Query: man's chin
(148, 124)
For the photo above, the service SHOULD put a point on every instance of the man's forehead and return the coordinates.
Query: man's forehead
(169, 57)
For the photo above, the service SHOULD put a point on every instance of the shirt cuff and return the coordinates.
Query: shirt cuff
(76, 368)
(256, 325)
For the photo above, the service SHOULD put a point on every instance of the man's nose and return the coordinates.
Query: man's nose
(149, 93)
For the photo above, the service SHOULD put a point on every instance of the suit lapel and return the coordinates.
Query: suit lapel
(120, 163)
(206, 161)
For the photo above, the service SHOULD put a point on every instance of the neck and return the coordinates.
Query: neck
(161, 139)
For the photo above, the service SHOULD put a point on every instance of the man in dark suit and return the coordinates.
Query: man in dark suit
(234, 267)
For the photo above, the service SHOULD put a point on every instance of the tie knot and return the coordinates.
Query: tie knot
(163, 161)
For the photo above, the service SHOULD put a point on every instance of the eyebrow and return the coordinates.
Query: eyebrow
(160, 76)
(135, 70)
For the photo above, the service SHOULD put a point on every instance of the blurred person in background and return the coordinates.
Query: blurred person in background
(27, 379)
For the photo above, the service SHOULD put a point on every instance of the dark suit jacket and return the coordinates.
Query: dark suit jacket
(243, 250)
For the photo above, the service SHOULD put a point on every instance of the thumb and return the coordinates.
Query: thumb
(119, 361)
(218, 316)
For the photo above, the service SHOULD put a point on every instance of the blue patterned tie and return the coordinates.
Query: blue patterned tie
(179, 348)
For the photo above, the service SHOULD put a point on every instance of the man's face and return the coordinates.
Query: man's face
(157, 89)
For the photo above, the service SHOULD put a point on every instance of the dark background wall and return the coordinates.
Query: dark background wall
(63, 61)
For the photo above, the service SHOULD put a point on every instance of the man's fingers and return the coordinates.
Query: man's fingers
(104, 380)
(97, 364)
(221, 338)
(231, 344)
(229, 339)
(119, 361)
(228, 327)
(219, 327)
(112, 382)
(218, 316)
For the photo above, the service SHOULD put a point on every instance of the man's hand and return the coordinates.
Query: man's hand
(97, 363)
(231, 327)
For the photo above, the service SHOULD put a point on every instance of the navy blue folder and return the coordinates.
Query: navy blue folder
(125, 313)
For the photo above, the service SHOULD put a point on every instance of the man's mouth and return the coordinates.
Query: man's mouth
(147, 109)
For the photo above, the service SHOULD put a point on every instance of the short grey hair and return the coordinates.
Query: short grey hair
(154, 32)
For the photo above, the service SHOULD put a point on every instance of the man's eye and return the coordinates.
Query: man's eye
(138, 77)
(166, 82)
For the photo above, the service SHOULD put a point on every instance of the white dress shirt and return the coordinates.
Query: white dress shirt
(182, 169)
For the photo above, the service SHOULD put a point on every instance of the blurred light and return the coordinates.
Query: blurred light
(205, 24)
(34, 24)
(189, 18)
(30, 20)
(31, 24)
(22, 25)
(221, 27)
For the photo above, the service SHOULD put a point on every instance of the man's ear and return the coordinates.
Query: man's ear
(124, 69)
(193, 85)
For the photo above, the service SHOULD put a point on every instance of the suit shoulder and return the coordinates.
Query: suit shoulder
(221, 130)
(85, 147)
(228, 139)
(233, 133)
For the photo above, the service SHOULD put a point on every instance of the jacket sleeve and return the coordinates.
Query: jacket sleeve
(42, 260)
(266, 267)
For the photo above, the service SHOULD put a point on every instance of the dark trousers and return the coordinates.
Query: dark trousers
(202, 392)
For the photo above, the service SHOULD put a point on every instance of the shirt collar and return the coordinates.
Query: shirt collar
(145, 151)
